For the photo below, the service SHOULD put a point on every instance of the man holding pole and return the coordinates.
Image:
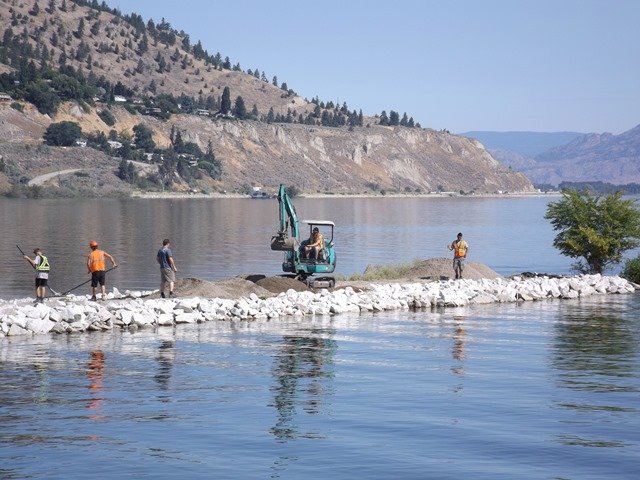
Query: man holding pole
(41, 265)
(96, 267)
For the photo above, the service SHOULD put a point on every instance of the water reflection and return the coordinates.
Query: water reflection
(165, 358)
(594, 351)
(95, 369)
(301, 367)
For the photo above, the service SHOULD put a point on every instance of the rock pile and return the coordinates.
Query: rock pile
(132, 310)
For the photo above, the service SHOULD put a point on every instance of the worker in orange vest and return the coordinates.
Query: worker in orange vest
(460, 249)
(96, 267)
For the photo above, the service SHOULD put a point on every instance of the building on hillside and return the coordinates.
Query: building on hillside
(5, 97)
(114, 144)
(81, 143)
(119, 99)
(202, 112)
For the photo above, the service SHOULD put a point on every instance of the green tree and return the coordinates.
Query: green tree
(62, 134)
(167, 169)
(127, 171)
(45, 99)
(240, 109)
(225, 101)
(144, 137)
(107, 117)
(631, 270)
(596, 229)
(394, 118)
(80, 32)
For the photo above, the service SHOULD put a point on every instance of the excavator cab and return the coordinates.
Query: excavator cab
(303, 262)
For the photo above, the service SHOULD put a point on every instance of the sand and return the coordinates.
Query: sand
(431, 269)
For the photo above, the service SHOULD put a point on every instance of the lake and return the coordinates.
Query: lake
(544, 390)
(219, 238)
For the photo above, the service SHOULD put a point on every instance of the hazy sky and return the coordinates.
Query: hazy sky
(504, 65)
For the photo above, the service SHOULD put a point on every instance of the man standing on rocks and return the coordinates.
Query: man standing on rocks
(460, 249)
(96, 267)
(167, 267)
(41, 264)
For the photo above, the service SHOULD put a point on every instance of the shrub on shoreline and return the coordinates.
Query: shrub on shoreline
(631, 270)
(384, 272)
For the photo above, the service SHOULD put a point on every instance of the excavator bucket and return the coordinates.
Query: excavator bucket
(283, 243)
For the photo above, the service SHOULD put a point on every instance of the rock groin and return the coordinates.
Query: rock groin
(73, 314)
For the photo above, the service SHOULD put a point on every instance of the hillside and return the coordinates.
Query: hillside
(315, 159)
(525, 144)
(147, 61)
(146, 93)
(593, 157)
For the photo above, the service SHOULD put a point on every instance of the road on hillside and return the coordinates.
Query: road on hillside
(40, 179)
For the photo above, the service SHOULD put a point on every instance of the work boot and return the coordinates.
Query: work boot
(93, 298)
(162, 295)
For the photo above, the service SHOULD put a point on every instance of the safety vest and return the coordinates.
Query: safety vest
(460, 248)
(43, 266)
(96, 261)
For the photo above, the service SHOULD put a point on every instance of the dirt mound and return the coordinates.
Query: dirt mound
(442, 268)
(229, 288)
(281, 284)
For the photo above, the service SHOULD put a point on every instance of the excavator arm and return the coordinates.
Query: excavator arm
(283, 240)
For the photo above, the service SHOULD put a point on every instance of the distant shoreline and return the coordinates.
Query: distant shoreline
(180, 195)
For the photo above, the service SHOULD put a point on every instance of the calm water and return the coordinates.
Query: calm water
(218, 238)
(546, 390)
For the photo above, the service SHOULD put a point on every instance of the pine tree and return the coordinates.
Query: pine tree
(95, 28)
(270, 116)
(405, 120)
(35, 10)
(239, 109)
(394, 118)
(80, 32)
(384, 120)
(143, 45)
(225, 102)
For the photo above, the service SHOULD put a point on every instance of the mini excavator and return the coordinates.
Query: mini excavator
(296, 260)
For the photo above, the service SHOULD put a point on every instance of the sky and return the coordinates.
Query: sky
(460, 65)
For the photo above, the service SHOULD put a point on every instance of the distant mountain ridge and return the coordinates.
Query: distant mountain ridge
(527, 144)
(588, 157)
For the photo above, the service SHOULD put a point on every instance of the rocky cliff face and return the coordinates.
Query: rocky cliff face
(336, 160)
(310, 157)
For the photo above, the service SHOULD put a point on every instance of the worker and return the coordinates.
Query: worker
(41, 264)
(96, 267)
(315, 244)
(460, 249)
(167, 267)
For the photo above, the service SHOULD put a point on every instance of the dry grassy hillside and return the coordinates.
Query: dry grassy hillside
(252, 153)
(114, 51)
